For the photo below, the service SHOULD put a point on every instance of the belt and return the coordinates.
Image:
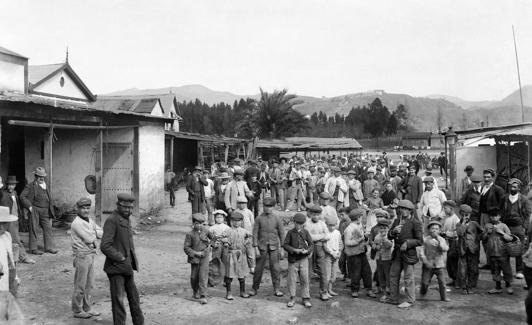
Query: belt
(41, 207)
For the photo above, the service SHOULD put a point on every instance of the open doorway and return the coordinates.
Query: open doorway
(13, 153)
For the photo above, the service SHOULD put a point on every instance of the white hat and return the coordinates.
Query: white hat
(5, 216)
(222, 212)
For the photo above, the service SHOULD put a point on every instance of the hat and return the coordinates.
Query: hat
(5, 216)
(345, 209)
(314, 208)
(383, 222)
(428, 169)
(222, 212)
(300, 218)
(493, 212)
(39, 171)
(465, 208)
(515, 181)
(336, 169)
(325, 196)
(330, 220)
(268, 202)
(224, 175)
(83, 202)
(125, 199)
(238, 171)
(11, 180)
(490, 171)
(407, 204)
(198, 168)
(475, 179)
(241, 199)
(469, 168)
(351, 172)
(355, 213)
(371, 170)
(198, 217)
(381, 213)
(393, 167)
(433, 222)
(236, 216)
(428, 179)
(412, 166)
(450, 203)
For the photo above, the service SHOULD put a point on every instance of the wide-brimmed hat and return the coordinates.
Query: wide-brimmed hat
(5, 216)
(224, 175)
(11, 180)
(40, 171)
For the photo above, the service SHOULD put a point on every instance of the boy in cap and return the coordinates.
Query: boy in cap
(326, 209)
(344, 222)
(333, 248)
(239, 261)
(369, 183)
(299, 245)
(83, 233)
(319, 233)
(469, 233)
(249, 218)
(355, 250)
(198, 249)
(433, 257)
(217, 232)
(450, 221)
(495, 235)
(382, 246)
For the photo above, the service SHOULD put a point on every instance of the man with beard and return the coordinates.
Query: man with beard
(412, 186)
(471, 197)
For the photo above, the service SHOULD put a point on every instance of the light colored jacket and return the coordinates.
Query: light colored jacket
(330, 187)
(233, 190)
(84, 235)
(434, 250)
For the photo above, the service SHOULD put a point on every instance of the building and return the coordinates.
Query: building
(50, 118)
(274, 149)
(422, 140)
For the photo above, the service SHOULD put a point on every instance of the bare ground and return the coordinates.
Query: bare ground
(166, 296)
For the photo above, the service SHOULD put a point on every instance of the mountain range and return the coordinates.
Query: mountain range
(428, 113)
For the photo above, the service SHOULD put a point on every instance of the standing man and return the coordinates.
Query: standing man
(268, 235)
(432, 200)
(84, 232)
(10, 199)
(196, 191)
(37, 199)
(465, 182)
(442, 162)
(471, 197)
(412, 186)
(169, 177)
(236, 188)
(121, 260)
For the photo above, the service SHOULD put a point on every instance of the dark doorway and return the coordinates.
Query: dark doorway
(13, 153)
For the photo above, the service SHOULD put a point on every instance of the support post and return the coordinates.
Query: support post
(226, 154)
(172, 154)
(50, 157)
(98, 168)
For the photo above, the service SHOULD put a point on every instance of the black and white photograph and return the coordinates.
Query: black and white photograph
(284, 162)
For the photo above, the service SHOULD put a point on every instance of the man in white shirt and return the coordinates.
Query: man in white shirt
(432, 200)
(209, 196)
(337, 187)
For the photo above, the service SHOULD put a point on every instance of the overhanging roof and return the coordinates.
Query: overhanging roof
(309, 144)
(206, 138)
(9, 52)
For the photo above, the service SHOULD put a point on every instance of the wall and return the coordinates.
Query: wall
(151, 166)
(12, 73)
(32, 145)
(479, 157)
(69, 89)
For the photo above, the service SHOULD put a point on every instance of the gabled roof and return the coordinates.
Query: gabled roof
(146, 105)
(166, 100)
(38, 74)
(9, 52)
(309, 144)
(119, 104)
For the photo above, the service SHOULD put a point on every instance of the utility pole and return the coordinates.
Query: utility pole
(519, 78)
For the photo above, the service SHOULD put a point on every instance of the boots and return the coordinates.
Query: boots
(243, 293)
(228, 295)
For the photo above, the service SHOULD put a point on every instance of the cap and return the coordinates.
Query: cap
(393, 167)
(345, 209)
(198, 217)
(475, 179)
(465, 208)
(450, 203)
(83, 202)
(222, 212)
(407, 204)
(238, 171)
(493, 212)
(490, 171)
(380, 213)
(325, 196)
(371, 170)
(198, 168)
(515, 181)
(336, 169)
(428, 179)
(351, 172)
(224, 175)
(330, 220)
(383, 222)
(11, 180)
(433, 222)
(315, 208)
(356, 213)
(125, 199)
(469, 168)
(236, 216)
(241, 199)
(300, 218)
(268, 202)
(428, 169)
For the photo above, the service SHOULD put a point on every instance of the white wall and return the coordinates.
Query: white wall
(53, 86)
(11, 76)
(480, 158)
(151, 166)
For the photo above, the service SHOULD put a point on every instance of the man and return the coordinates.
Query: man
(235, 188)
(251, 170)
(442, 162)
(428, 173)
(432, 199)
(84, 232)
(196, 190)
(412, 186)
(169, 177)
(208, 203)
(121, 261)
(264, 180)
(516, 212)
(276, 176)
(37, 199)
(268, 236)
(337, 187)
(407, 233)
(395, 180)
(465, 182)
(10, 199)
(471, 197)
(491, 196)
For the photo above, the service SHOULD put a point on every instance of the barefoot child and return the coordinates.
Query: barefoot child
(469, 233)
(198, 249)
(383, 247)
(432, 256)
(217, 232)
(299, 245)
(333, 248)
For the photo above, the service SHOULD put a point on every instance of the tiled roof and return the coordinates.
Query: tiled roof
(37, 73)
(166, 100)
(9, 52)
(308, 143)
(146, 105)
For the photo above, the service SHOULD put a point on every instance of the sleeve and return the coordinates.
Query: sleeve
(227, 196)
(280, 230)
(343, 186)
(419, 189)
(247, 190)
(309, 242)
(256, 233)
(287, 243)
(422, 255)
(418, 236)
(189, 188)
(97, 230)
(25, 196)
(443, 245)
(87, 237)
(109, 231)
(528, 214)
(187, 247)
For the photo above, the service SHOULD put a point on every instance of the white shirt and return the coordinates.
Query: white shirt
(432, 201)
(209, 189)
(334, 245)
(449, 225)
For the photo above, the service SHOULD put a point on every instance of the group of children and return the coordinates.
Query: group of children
(321, 244)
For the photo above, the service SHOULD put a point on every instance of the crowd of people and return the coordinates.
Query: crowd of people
(349, 210)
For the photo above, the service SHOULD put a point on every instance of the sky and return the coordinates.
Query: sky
(316, 48)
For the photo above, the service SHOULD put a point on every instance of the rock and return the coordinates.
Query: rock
(335, 305)
(292, 321)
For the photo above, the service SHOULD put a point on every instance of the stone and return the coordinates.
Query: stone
(335, 305)
(292, 321)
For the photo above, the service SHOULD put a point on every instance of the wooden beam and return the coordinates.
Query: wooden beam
(226, 154)
(98, 165)
(50, 157)
(172, 153)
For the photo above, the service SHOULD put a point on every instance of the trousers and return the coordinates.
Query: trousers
(122, 286)
(359, 268)
(199, 276)
(172, 196)
(383, 273)
(40, 217)
(468, 270)
(398, 266)
(83, 282)
(331, 268)
(427, 274)
(501, 264)
(275, 269)
(319, 264)
(299, 270)
(15, 239)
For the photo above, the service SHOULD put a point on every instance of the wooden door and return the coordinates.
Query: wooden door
(117, 174)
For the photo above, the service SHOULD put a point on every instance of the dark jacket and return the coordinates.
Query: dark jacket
(472, 198)
(197, 241)
(297, 240)
(195, 187)
(411, 233)
(30, 197)
(524, 209)
(492, 199)
(268, 232)
(469, 237)
(412, 189)
(117, 244)
(6, 200)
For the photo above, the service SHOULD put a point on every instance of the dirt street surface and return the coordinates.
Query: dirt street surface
(166, 296)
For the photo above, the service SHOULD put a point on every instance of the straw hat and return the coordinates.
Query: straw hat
(5, 216)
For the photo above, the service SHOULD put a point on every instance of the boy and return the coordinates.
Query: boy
(433, 257)
(450, 220)
(370, 183)
(333, 248)
(198, 249)
(382, 246)
(469, 233)
(217, 232)
(344, 222)
(326, 208)
(242, 207)
(319, 234)
(299, 245)
(355, 250)
(494, 235)
(238, 257)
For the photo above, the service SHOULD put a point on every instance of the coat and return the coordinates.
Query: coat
(491, 199)
(6, 200)
(117, 244)
(197, 241)
(27, 197)
(239, 257)
(232, 192)
(195, 188)
(524, 209)
(411, 233)
(268, 232)
(412, 189)
(469, 236)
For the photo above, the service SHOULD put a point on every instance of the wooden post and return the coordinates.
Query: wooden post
(200, 154)
(226, 154)
(50, 157)
(452, 169)
(172, 153)
(98, 168)
(509, 160)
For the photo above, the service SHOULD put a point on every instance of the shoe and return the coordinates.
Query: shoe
(332, 293)
(447, 289)
(27, 260)
(509, 291)
(93, 313)
(354, 294)
(196, 296)
(324, 297)
(229, 296)
(36, 252)
(404, 305)
(278, 293)
(519, 275)
(494, 291)
(251, 270)
(451, 284)
(291, 303)
(82, 314)
(446, 300)
(52, 251)
(383, 299)
(244, 295)
(252, 292)
(287, 210)
(328, 295)
(307, 303)
(371, 294)
(203, 301)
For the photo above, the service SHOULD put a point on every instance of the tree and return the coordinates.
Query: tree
(402, 118)
(439, 119)
(393, 124)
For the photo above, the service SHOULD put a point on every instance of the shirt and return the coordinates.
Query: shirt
(434, 251)
(297, 240)
(383, 247)
(449, 225)
(317, 230)
(209, 189)
(83, 235)
(249, 219)
(334, 245)
(354, 240)
(432, 202)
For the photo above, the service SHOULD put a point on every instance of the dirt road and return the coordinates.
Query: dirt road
(166, 295)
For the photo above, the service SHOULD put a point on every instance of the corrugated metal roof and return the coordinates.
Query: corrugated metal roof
(146, 105)
(167, 100)
(37, 73)
(309, 143)
(204, 137)
(9, 52)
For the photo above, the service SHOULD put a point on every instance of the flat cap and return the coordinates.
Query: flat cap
(198, 168)
(465, 208)
(219, 211)
(428, 169)
(380, 213)
(407, 204)
(125, 199)
(476, 179)
(314, 209)
(383, 222)
(450, 203)
(238, 171)
(489, 171)
(300, 218)
(336, 169)
(493, 212)
(356, 213)
(241, 199)
(469, 168)
(236, 216)
(198, 217)
(268, 202)
(83, 202)
(325, 196)
(428, 179)
(393, 167)
(515, 181)
(330, 220)
(351, 172)
(434, 222)
(345, 209)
